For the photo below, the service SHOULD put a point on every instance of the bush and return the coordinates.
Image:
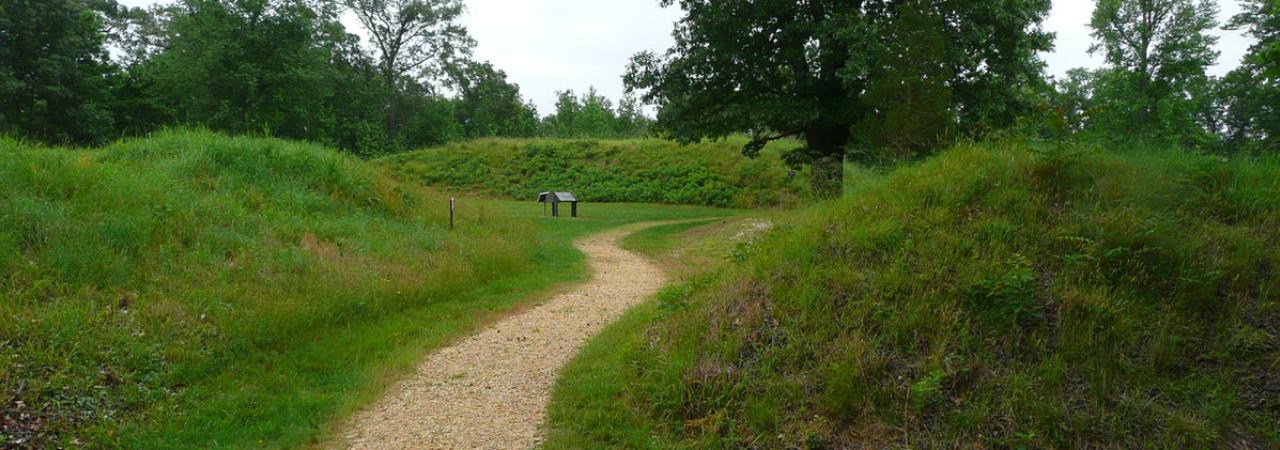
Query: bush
(641, 171)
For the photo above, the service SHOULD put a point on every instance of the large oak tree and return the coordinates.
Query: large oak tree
(803, 68)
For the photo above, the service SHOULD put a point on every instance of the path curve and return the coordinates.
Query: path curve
(490, 390)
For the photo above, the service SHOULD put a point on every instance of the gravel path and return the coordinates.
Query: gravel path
(490, 391)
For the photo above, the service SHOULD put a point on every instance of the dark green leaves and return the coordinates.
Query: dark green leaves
(53, 71)
(906, 69)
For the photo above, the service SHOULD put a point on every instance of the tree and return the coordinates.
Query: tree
(1073, 97)
(1251, 93)
(631, 120)
(909, 102)
(595, 117)
(246, 66)
(1262, 20)
(489, 105)
(801, 68)
(414, 39)
(1159, 50)
(54, 71)
(563, 122)
(429, 119)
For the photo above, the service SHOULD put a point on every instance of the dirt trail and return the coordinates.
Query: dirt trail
(490, 391)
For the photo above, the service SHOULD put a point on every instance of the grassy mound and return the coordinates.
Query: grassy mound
(643, 171)
(991, 297)
(189, 290)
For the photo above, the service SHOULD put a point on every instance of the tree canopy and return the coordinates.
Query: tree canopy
(413, 40)
(85, 71)
(1158, 52)
(489, 105)
(1251, 93)
(814, 69)
(866, 80)
(53, 71)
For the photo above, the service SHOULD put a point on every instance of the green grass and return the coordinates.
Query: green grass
(591, 408)
(645, 171)
(991, 297)
(658, 241)
(190, 290)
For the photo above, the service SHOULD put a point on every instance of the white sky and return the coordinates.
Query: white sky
(550, 45)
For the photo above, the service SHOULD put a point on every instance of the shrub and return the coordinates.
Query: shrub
(642, 171)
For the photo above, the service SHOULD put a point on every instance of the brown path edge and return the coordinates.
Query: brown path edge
(490, 390)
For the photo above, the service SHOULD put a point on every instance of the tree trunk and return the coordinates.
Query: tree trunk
(826, 148)
(390, 80)
(827, 176)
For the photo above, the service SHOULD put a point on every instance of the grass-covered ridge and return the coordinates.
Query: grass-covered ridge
(991, 297)
(642, 170)
(191, 290)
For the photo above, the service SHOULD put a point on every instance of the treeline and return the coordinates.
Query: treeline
(902, 78)
(89, 71)
(1154, 87)
(883, 81)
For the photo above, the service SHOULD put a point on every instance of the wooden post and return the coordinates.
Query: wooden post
(452, 206)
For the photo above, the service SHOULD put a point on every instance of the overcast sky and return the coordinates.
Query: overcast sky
(550, 45)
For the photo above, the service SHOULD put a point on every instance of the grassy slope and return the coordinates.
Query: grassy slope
(989, 297)
(191, 290)
(648, 171)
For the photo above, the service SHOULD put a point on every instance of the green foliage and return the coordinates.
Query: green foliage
(489, 106)
(1008, 298)
(1251, 92)
(642, 171)
(1157, 52)
(990, 297)
(1155, 89)
(283, 68)
(802, 69)
(594, 116)
(251, 67)
(908, 95)
(54, 76)
(414, 41)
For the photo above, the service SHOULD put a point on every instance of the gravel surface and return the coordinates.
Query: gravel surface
(490, 391)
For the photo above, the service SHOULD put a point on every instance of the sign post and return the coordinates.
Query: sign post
(452, 206)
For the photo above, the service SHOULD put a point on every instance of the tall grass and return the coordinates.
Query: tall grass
(645, 170)
(190, 290)
(993, 296)
(194, 290)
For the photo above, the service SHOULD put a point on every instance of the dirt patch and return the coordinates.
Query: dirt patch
(491, 390)
(321, 249)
